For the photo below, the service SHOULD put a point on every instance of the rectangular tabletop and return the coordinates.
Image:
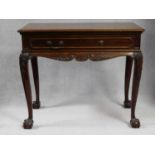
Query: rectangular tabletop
(70, 27)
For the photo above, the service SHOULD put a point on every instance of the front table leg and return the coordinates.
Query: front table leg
(23, 61)
(34, 62)
(138, 61)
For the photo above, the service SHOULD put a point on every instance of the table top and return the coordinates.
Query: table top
(70, 27)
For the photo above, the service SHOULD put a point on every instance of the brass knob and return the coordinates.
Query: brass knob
(49, 43)
(61, 42)
(101, 42)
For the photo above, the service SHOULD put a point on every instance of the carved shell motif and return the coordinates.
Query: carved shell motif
(82, 56)
(87, 56)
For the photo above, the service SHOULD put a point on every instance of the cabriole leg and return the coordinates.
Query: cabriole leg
(23, 61)
(138, 62)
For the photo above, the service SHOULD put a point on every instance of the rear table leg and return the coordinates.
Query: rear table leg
(34, 63)
(128, 70)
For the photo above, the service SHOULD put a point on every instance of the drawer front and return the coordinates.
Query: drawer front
(72, 43)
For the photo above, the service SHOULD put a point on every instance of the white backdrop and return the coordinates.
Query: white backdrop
(77, 98)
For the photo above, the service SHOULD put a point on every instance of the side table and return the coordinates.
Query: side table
(81, 41)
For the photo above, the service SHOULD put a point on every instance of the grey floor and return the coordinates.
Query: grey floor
(79, 115)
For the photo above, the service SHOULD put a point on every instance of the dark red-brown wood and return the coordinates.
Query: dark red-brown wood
(81, 41)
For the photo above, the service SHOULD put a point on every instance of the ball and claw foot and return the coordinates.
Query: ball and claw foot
(36, 104)
(28, 123)
(127, 104)
(135, 123)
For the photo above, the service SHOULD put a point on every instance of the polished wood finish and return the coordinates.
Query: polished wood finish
(81, 41)
(78, 27)
(71, 43)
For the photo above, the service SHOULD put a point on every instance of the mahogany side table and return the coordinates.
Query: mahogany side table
(81, 41)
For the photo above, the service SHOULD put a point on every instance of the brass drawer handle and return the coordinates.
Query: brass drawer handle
(49, 43)
(101, 42)
(61, 42)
